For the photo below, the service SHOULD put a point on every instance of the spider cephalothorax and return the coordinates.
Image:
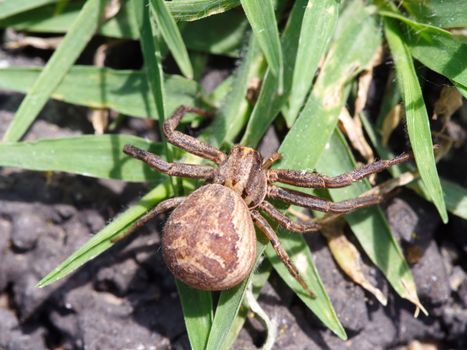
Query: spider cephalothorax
(209, 240)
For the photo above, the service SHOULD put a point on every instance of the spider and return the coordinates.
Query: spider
(209, 240)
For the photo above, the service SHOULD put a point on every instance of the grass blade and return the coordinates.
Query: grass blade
(151, 55)
(357, 39)
(223, 34)
(368, 225)
(197, 312)
(456, 198)
(319, 23)
(74, 42)
(232, 115)
(462, 89)
(196, 326)
(439, 51)
(57, 19)
(260, 276)
(99, 156)
(445, 14)
(230, 301)
(169, 30)
(10, 8)
(321, 306)
(45, 19)
(262, 19)
(124, 91)
(191, 10)
(269, 103)
(103, 240)
(228, 306)
(418, 125)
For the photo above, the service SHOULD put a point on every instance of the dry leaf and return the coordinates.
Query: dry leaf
(449, 101)
(99, 119)
(36, 42)
(352, 127)
(364, 81)
(390, 123)
(421, 345)
(348, 258)
(100, 116)
(112, 8)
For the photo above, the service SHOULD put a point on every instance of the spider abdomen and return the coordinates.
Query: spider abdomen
(209, 240)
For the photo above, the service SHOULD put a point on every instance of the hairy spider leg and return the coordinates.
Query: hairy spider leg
(315, 180)
(173, 169)
(287, 223)
(163, 206)
(264, 226)
(320, 204)
(188, 143)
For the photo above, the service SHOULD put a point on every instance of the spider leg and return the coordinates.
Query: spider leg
(271, 160)
(188, 143)
(283, 220)
(264, 226)
(143, 220)
(172, 169)
(315, 180)
(320, 204)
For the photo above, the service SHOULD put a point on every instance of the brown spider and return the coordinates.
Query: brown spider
(209, 240)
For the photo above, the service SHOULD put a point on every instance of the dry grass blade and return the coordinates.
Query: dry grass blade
(354, 131)
(348, 258)
(449, 101)
(364, 81)
(390, 123)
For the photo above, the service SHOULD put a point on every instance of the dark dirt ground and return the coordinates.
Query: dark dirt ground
(126, 298)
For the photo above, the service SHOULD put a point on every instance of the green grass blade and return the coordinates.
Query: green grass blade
(439, 51)
(74, 42)
(223, 34)
(418, 125)
(269, 103)
(357, 40)
(300, 253)
(196, 326)
(445, 14)
(462, 89)
(197, 312)
(456, 198)
(454, 195)
(228, 122)
(227, 308)
(169, 30)
(260, 276)
(368, 225)
(124, 91)
(99, 156)
(262, 19)
(319, 23)
(191, 10)
(47, 19)
(232, 115)
(9, 8)
(103, 240)
(151, 55)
